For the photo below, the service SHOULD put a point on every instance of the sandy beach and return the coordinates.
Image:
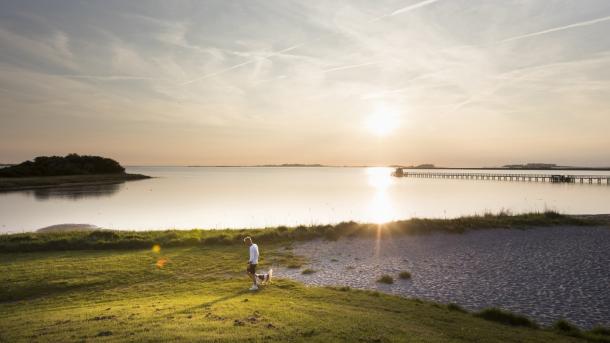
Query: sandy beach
(544, 273)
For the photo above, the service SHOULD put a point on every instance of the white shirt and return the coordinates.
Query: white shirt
(253, 254)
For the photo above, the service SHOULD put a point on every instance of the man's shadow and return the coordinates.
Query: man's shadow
(209, 304)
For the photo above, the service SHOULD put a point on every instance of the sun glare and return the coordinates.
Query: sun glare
(379, 178)
(383, 120)
(380, 209)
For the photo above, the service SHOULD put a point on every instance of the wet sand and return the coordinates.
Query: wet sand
(544, 273)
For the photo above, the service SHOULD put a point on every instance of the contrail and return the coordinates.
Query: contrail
(352, 66)
(216, 73)
(222, 71)
(109, 77)
(412, 7)
(560, 28)
(296, 46)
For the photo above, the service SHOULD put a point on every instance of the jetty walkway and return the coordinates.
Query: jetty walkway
(553, 178)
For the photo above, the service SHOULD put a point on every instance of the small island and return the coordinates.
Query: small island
(57, 171)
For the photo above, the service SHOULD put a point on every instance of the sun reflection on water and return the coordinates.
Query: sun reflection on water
(380, 209)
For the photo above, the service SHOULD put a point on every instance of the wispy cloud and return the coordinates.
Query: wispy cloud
(299, 45)
(555, 29)
(112, 77)
(405, 9)
(413, 7)
(245, 63)
(352, 66)
(207, 79)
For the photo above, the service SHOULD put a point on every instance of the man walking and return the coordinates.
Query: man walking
(252, 262)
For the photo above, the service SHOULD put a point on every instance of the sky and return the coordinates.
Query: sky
(449, 82)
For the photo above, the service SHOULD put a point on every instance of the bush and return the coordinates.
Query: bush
(404, 275)
(567, 328)
(601, 331)
(456, 307)
(386, 279)
(505, 317)
(100, 235)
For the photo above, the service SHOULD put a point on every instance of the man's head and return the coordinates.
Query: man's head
(248, 241)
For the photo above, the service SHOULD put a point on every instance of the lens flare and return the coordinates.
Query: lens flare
(161, 263)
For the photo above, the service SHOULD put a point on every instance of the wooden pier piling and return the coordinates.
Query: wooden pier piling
(553, 178)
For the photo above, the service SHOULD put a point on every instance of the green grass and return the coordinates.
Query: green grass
(205, 238)
(387, 279)
(200, 294)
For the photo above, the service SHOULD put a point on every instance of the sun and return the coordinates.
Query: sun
(383, 120)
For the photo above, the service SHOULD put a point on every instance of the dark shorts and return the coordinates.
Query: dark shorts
(251, 268)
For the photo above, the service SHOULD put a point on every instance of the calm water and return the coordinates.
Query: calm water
(182, 197)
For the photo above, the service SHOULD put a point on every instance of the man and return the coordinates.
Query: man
(252, 263)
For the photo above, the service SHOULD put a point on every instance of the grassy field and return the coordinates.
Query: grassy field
(26, 183)
(112, 286)
(200, 294)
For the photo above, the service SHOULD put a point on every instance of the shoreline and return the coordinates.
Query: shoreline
(130, 239)
(10, 184)
(547, 274)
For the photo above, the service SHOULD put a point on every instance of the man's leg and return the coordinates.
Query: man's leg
(253, 278)
(252, 273)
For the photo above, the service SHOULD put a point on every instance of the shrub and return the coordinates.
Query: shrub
(601, 331)
(456, 307)
(105, 235)
(386, 279)
(404, 275)
(505, 317)
(567, 328)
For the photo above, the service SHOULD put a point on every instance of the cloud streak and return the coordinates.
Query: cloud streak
(351, 66)
(555, 29)
(413, 7)
(296, 46)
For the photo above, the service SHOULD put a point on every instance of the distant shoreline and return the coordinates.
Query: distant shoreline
(392, 166)
(8, 184)
(500, 168)
(54, 238)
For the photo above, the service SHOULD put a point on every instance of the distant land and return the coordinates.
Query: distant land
(55, 171)
(68, 228)
(525, 166)
(283, 165)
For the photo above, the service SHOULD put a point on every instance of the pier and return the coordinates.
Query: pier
(553, 178)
